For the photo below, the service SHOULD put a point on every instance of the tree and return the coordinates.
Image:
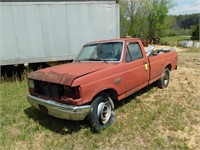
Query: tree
(195, 33)
(157, 13)
(143, 18)
(171, 26)
(187, 21)
(129, 15)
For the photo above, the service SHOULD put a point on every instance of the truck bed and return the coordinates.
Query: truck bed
(158, 59)
(152, 51)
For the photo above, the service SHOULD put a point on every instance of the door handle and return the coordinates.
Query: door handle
(145, 62)
(146, 65)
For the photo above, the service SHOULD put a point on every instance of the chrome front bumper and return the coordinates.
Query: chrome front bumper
(60, 110)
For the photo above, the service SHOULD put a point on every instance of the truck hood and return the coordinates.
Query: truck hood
(65, 74)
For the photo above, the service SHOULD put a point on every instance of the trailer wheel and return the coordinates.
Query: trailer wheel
(164, 80)
(103, 113)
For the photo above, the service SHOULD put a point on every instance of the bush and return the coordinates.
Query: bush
(195, 33)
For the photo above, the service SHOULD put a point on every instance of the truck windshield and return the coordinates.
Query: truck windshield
(110, 51)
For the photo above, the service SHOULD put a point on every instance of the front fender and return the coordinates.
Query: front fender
(89, 93)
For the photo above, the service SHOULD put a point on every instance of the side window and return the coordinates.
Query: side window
(128, 56)
(134, 51)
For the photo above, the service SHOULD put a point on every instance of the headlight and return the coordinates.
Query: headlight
(31, 84)
(72, 92)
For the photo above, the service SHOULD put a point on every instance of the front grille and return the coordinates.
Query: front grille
(50, 90)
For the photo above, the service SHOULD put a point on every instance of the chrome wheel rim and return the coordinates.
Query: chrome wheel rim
(165, 79)
(104, 112)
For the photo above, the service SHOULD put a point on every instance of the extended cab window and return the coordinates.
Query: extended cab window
(133, 52)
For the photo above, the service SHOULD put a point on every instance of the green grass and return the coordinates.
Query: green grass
(174, 39)
(149, 119)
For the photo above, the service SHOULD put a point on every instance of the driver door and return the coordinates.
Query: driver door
(136, 74)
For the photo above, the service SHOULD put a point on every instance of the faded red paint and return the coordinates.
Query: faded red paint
(65, 74)
(122, 77)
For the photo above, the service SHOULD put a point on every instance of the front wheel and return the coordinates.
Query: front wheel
(164, 80)
(103, 112)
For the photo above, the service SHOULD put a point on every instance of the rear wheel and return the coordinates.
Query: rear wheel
(164, 80)
(103, 113)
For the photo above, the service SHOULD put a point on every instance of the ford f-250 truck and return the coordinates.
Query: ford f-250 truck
(103, 72)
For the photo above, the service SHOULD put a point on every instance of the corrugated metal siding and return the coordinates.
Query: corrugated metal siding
(53, 31)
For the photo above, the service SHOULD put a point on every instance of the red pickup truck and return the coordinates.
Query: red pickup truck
(103, 72)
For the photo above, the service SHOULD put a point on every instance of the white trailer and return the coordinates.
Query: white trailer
(43, 31)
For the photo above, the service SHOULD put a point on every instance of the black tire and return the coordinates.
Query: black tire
(102, 114)
(164, 80)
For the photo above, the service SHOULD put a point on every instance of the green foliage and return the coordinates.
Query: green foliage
(143, 18)
(148, 18)
(132, 18)
(187, 21)
(183, 24)
(156, 18)
(195, 33)
(169, 23)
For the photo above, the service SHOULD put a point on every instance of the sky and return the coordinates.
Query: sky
(183, 7)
